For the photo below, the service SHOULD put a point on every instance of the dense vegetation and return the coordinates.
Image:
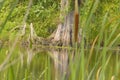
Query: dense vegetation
(99, 20)
(40, 12)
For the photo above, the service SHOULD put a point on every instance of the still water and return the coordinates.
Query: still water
(48, 63)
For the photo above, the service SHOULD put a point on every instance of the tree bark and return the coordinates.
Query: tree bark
(66, 34)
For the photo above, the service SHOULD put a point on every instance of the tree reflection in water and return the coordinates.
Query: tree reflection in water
(59, 60)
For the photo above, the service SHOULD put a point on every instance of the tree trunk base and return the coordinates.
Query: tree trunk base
(62, 36)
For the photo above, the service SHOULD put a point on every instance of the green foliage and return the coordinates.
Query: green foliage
(43, 14)
(96, 16)
(44, 17)
(97, 59)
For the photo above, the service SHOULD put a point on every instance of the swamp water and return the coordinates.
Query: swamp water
(46, 63)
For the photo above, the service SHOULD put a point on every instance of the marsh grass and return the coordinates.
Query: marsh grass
(96, 61)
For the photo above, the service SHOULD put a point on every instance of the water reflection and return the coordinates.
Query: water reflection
(59, 60)
(60, 63)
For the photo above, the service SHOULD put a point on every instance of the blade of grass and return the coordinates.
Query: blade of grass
(91, 51)
(82, 60)
(116, 38)
(102, 31)
(93, 8)
(92, 72)
(98, 73)
(113, 77)
(1, 4)
(12, 8)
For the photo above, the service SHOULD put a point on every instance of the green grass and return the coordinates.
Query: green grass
(96, 59)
